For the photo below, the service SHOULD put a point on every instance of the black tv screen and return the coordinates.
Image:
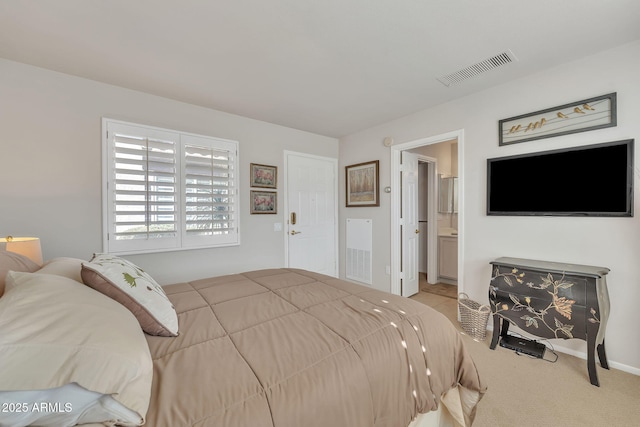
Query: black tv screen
(593, 180)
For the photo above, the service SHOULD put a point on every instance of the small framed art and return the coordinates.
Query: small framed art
(363, 184)
(264, 176)
(264, 202)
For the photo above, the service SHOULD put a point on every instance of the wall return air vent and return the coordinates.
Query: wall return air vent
(474, 70)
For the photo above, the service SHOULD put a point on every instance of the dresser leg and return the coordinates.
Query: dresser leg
(591, 360)
(602, 355)
(505, 328)
(496, 331)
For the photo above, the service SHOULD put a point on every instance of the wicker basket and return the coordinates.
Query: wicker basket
(473, 317)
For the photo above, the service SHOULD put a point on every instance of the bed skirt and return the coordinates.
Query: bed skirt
(456, 406)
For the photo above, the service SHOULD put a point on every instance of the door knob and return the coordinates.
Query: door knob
(417, 231)
(294, 232)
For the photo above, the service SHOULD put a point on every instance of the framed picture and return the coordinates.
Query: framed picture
(579, 116)
(264, 202)
(363, 184)
(264, 176)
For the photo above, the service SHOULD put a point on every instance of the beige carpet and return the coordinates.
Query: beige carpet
(526, 392)
(443, 289)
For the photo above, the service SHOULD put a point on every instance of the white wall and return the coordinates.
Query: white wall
(50, 167)
(608, 242)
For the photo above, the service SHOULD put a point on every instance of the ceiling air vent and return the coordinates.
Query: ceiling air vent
(478, 68)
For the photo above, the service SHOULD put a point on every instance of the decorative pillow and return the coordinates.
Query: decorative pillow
(128, 284)
(63, 266)
(14, 262)
(55, 331)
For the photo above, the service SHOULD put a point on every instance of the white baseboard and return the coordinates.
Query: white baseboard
(612, 364)
(582, 355)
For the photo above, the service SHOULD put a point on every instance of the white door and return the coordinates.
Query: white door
(312, 211)
(410, 225)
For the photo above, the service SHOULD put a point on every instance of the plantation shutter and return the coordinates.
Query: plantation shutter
(143, 189)
(167, 190)
(210, 183)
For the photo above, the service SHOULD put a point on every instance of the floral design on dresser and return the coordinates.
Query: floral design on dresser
(555, 317)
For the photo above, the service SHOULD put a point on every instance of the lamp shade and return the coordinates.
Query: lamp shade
(27, 246)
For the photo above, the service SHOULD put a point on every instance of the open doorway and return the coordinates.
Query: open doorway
(439, 223)
(437, 254)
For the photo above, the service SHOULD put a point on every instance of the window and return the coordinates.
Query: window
(166, 190)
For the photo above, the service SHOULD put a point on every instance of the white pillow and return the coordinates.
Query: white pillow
(55, 331)
(11, 261)
(128, 284)
(63, 266)
(62, 406)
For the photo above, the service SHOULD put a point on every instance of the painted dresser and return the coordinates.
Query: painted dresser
(551, 300)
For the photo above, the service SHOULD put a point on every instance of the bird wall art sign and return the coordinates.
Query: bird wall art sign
(580, 116)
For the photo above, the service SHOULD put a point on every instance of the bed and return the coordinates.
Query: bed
(277, 348)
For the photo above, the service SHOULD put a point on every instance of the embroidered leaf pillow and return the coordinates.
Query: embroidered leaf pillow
(128, 284)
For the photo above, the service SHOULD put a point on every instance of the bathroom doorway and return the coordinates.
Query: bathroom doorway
(444, 211)
(440, 226)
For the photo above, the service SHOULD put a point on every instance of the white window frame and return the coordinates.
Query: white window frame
(181, 240)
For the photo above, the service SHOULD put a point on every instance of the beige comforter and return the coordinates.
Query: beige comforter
(289, 348)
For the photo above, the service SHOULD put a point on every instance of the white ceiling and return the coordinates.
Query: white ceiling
(331, 67)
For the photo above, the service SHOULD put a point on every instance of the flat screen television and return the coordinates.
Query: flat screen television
(592, 180)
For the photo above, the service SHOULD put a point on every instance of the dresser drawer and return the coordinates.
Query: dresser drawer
(543, 317)
(540, 284)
